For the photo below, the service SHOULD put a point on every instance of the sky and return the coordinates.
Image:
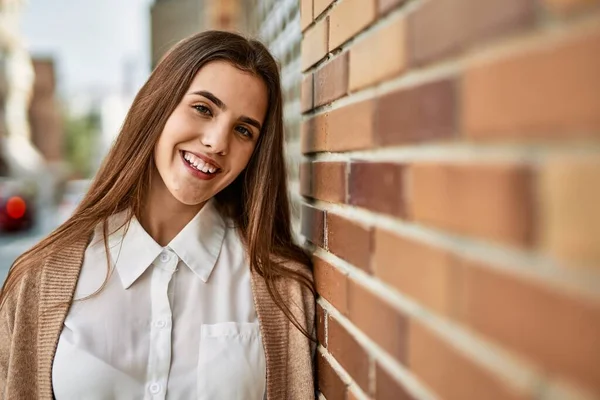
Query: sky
(91, 41)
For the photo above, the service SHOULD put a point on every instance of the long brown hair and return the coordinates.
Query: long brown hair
(257, 201)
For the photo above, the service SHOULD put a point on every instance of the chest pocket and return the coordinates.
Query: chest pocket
(231, 362)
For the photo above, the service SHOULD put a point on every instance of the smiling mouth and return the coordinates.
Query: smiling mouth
(199, 164)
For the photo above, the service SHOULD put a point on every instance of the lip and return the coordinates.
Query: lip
(204, 158)
(196, 173)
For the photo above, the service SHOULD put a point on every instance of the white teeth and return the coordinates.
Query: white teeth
(199, 164)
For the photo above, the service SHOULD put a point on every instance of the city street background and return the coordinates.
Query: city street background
(11, 246)
(85, 83)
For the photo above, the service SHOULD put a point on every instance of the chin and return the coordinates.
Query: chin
(188, 197)
(191, 200)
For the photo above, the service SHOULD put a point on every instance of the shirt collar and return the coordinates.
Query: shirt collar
(198, 244)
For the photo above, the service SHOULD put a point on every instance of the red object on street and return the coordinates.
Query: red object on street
(16, 207)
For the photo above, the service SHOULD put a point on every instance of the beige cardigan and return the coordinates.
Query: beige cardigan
(33, 316)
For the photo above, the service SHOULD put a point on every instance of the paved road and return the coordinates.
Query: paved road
(13, 245)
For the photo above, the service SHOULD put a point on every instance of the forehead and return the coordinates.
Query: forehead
(241, 92)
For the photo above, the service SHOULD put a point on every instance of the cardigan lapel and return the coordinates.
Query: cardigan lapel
(58, 282)
(274, 330)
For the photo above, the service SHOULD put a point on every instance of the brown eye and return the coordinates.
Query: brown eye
(202, 109)
(244, 131)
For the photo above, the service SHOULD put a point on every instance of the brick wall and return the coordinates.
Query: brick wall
(451, 196)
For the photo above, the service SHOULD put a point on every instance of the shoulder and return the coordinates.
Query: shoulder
(296, 267)
(301, 269)
(23, 280)
(21, 292)
(298, 281)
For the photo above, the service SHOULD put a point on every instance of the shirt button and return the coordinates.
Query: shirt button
(154, 388)
(160, 324)
(164, 257)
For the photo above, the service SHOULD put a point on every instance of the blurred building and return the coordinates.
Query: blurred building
(226, 15)
(4, 168)
(174, 20)
(44, 113)
(16, 149)
(112, 113)
(171, 21)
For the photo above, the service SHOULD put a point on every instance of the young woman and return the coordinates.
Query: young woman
(177, 276)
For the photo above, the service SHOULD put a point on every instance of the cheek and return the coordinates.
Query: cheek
(164, 150)
(161, 153)
(242, 158)
(164, 158)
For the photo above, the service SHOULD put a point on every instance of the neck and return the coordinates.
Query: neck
(163, 216)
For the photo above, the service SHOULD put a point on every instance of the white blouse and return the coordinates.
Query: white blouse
(176, 322)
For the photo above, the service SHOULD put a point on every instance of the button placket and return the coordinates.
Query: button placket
(164, 257)
(159, 359)
(154, 388)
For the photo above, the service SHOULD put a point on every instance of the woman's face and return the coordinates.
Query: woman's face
(209, 138)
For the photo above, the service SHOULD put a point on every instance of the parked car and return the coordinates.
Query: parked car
(17, 204)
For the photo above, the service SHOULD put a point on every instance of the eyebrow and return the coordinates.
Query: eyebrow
(222, 106)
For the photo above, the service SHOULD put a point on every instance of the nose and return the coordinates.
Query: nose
(216, 137)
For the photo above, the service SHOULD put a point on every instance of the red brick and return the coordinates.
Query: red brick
(423, 272)
(350, 395)
(388, 46)
(351, 127)
(329, 181)
(306, 179)
(324, 181)
(343, 129)
(331, 284)
(422, 113)
(491, 201)
(331, 81)
(321, 325)
(314, 44)
(306, 93)
(557, 329)
(443, 27)
(348, 18)
(545, 92)
(570, 6)
(306, 13)
(313, 224)
(329, 381)
(351, 356)
(313, 134)
(349, 240)
(385, 6)
(569, 195)
(379, 187)
(321, 5)
(380, 321)
(451, 374)
(387, 388)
